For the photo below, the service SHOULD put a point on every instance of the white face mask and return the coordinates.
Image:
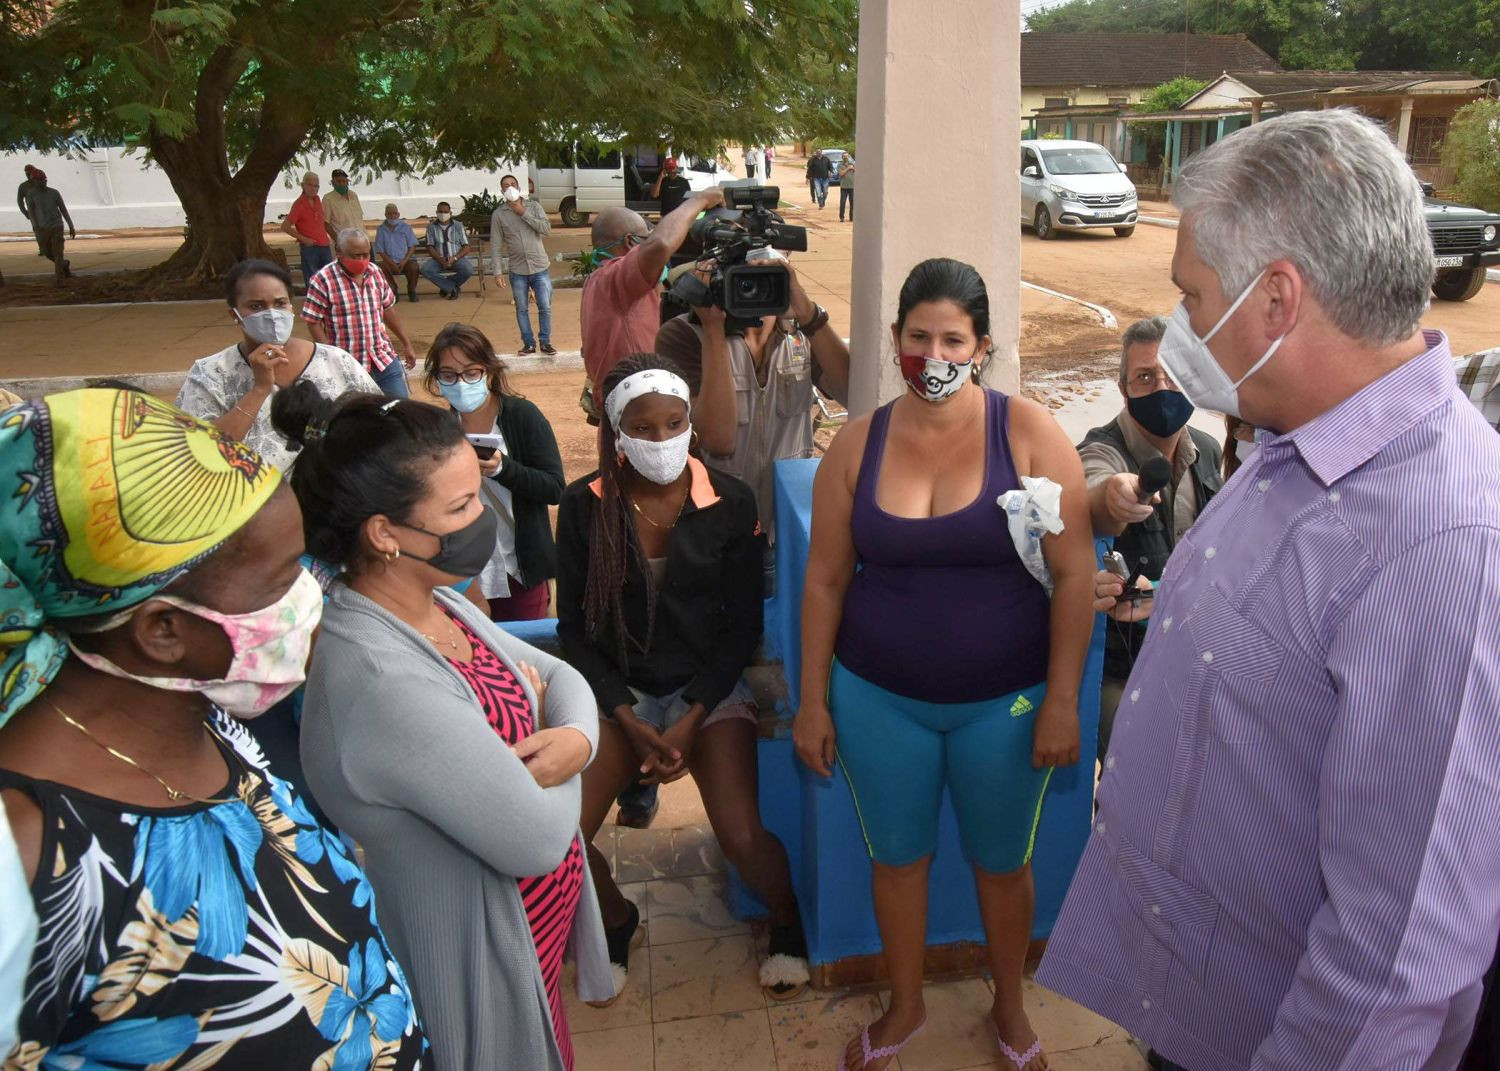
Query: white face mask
(271, 326)
(1245, 451)
(444, 217)
(659, 462)
(512, 193)
(1191, 363)
(270, 646)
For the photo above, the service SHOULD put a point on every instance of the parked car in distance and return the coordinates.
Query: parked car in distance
(836, 159)
(1465, 242)
(1074, 186)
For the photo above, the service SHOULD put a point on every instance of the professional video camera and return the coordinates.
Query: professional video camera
(745, 283)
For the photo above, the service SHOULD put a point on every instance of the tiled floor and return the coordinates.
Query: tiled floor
(694, 1004)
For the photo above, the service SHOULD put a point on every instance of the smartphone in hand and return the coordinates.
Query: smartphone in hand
(484, 445)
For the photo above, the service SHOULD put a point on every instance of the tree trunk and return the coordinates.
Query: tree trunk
(223, 222)
(225, 211)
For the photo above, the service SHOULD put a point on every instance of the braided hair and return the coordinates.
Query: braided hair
(613, 544)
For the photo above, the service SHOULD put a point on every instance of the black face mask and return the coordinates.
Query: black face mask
(465, 551)
(1161, 412)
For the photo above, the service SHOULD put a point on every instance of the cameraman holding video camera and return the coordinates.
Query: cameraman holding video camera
(752, 376)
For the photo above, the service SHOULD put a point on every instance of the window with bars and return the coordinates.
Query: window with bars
(1428, 132)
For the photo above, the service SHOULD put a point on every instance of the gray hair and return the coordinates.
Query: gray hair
(1151, 329)
(1328, 191)
(348, 234)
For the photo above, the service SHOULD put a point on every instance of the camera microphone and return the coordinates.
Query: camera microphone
(1155, 475)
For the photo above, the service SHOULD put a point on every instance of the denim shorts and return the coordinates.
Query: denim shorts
(661, 712)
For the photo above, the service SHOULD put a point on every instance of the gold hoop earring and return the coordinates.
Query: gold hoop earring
(391, 558)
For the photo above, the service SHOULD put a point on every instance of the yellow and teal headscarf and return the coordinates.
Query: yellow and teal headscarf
(106, 497)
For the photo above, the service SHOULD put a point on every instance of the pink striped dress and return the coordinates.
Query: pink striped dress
(551, 899)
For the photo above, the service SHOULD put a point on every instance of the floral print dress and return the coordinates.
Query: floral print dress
(237, 935)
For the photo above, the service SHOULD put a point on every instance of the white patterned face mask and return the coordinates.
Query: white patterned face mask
(659, 462)
(270, 646)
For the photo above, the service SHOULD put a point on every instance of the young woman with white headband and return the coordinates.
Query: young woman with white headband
(659, 606)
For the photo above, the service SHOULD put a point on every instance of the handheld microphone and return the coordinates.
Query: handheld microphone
(1155, 474)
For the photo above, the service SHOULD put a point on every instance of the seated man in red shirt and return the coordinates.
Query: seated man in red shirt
(620, 311)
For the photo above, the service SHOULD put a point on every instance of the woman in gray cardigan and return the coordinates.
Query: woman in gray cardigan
(420, 736)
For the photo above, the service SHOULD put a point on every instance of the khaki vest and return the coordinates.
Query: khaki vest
(774, 421)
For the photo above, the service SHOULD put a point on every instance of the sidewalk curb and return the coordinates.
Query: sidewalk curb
(1106, 317)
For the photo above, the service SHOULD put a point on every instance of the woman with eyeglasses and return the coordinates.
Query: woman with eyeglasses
(519, 461)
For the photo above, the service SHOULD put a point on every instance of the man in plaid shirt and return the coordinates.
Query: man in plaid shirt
(350, 306)
(1479, 378)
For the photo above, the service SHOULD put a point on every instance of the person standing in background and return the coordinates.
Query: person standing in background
(752, 161)
(341, 207)
(305, 222)
(47, 211)
(846, 188)
(22, 192)
(671, 187)
(820, 169)
(517, 227)
(351, 307)
(768, 154)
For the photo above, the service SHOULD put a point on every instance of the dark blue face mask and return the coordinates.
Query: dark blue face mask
(1162, 412)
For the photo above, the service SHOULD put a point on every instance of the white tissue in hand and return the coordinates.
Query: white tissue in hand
(1032, 512)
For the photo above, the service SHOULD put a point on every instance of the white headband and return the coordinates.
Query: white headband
(651, 381)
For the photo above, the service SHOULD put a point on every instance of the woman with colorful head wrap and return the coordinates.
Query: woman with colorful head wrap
(191, 911)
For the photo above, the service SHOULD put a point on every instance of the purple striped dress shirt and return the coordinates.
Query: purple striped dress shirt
(1296, 860)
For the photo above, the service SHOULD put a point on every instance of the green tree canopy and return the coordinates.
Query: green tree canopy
(225, 95)
(1312, 34)
(1472, 148)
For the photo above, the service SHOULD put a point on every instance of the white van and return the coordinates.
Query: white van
(577, 182)
(1074, 186)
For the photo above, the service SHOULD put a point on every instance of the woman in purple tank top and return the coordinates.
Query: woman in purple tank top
(931, 657)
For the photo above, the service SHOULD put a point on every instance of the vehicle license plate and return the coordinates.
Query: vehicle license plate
(1450, 262)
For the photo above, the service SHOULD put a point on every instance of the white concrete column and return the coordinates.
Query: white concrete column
(1403, 131)
(1255, 111)
(939, 85)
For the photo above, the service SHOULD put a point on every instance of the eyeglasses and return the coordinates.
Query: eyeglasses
(630, 240)
(1146, 380)
(468, 375)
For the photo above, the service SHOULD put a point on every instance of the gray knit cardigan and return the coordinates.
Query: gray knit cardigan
(398, 753)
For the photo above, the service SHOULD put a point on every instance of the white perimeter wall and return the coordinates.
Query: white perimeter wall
(106, 189)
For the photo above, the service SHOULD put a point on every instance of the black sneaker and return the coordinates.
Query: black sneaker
(784, 975)
(525, 351)
(620, 940)
(549, 349)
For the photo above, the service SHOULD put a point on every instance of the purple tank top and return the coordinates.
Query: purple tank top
(941, 609)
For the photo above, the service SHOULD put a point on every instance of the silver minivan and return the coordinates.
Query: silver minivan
(1074, 185)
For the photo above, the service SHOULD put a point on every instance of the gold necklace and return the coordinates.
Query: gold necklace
(437, 642)
(173, 794)
(665, 527)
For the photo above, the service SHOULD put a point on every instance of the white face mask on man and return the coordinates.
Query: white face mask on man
(1193, 367)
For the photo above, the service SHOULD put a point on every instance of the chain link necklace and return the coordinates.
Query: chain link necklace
(664, 527)
(173, 794)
